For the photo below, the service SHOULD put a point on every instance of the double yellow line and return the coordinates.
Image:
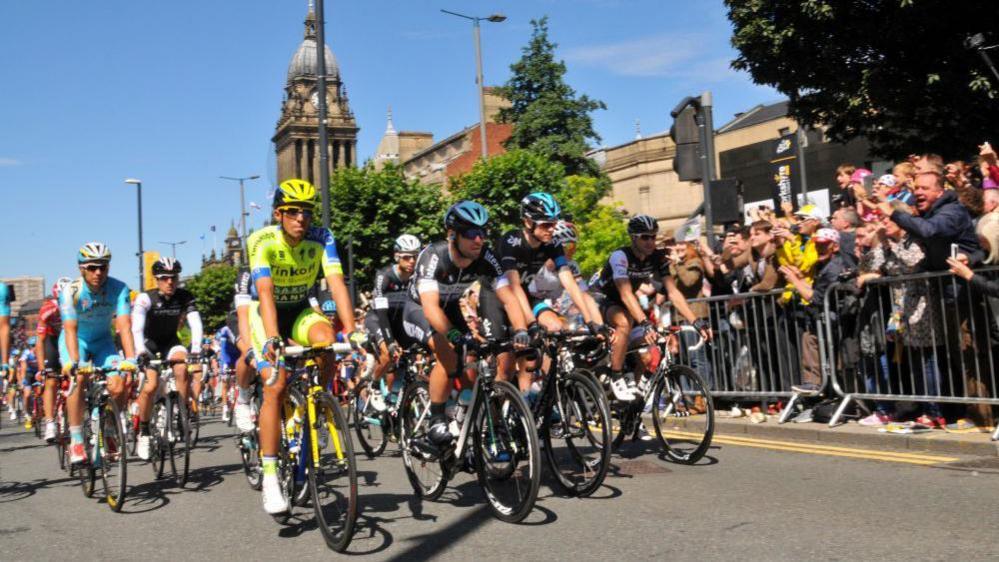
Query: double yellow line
(826, 450)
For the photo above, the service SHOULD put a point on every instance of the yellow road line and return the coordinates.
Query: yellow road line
(826, 450)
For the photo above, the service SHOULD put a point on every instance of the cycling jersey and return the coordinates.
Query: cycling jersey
(293, 269)
(246, 292)
(435, 271)
(93, 311)
(389, 299)
(624, 264)
(6, 297)
(156, 319)
(49, 321)
(226, 341)
(516, 254)
(28, 359)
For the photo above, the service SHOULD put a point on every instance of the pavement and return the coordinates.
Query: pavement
(751, 497)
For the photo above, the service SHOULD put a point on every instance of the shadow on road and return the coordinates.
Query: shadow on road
(15, 491)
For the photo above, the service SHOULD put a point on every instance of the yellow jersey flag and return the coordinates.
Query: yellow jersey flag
(148, 259)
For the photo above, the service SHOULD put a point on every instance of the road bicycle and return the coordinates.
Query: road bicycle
(497, 440)
(374, 426)
(315, 445)
(103, 439)
(170, 439)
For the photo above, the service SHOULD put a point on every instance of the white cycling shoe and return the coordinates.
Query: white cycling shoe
(274, 501)
(142, 447)
(622, 392)
(50, 431)
(244, 417)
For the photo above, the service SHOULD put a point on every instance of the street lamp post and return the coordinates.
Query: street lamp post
(173, 247)
(138, 191)
(242, 207)
(495, 18)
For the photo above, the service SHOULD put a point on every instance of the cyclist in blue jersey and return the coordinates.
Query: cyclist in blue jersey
(88, 306)
(6, 296)
(228, 354)
(27, 366)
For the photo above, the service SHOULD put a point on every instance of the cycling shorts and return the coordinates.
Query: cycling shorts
(376, 334)
(100, 353)
(492, 321)
(228, 354)
(51, 361)
(168, 349)
(293, 323)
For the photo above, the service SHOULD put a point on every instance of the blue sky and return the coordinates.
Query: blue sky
(178, 93)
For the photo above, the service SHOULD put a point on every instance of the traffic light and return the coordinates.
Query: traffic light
(687, 137)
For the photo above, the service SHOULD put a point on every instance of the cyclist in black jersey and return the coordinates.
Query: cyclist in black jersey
(432, 318)
(384, 321)
(523, 253)
(239, 322)
(626, 269)
(156, 317)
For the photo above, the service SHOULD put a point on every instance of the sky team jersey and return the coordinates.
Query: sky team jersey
(292, 269)
(624, 264)
(49, 321)
(436, 272)
(515, 254)
(390, 289)
(246, 293)
(6, 296)
(94, 311)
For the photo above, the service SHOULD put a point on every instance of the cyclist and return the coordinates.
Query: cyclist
(88, 306)
(239, 321)
(156, 317)
(47, 351)
(285, 259)
(433, 318)
(6, 297)
(384, 322)
(625, 270)
(547, 283)
(13, 381)
(27, 367)
(524, 252)
(228, 354)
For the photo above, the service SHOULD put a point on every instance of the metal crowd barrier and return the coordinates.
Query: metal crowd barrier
(926, 338)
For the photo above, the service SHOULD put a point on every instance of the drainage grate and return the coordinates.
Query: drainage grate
(639, 467)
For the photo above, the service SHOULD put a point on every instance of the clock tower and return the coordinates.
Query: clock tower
(296, 138)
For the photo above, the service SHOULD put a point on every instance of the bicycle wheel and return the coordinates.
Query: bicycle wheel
(369, 425)
(182, 442)
(425, 471)
(159, 447)
(36, 415)
(297, 460)
(62, 434)
(333, 473)
(86, 472)
(577, 435)
(507, 458)
(249, 453)
(681, 393)
(193, 424)
(625, 419)
(112, 456)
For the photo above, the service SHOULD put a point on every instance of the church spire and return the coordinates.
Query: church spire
(310, 21)
(638, 130)
(390, 128)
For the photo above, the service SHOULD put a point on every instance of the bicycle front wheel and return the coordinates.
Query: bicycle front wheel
(333, 473)
(577, 435)
(62, 433)
(112, 456)
(181, 442)
(425, 470)
(507, 457)
(86, 472)
(682, 394)
(159, 447)
(369, 424)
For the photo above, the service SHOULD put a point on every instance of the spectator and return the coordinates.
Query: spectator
(978, 281)
(905, 176)
(796, 247)
(928, 163)
(846, 221)
(687, 270)
(830, 266)
(765, 267)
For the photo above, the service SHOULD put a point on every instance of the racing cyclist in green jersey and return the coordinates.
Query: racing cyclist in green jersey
(284, 262)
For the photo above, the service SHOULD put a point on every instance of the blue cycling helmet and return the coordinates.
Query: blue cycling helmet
(539, 206)
(329, 307)
(466, 214)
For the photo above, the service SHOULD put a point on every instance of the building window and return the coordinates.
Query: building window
(644, 199)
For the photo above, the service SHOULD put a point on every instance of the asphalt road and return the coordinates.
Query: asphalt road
(740, 503)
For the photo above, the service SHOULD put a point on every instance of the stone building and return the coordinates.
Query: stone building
(296, 136)
(232, 253)
(26, 288)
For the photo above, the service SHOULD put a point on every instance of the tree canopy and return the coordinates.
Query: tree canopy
(213, 287)
(896, 72)
(548, 117)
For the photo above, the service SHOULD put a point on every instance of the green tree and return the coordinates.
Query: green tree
(213, 287)
(603, 232)
(896, 72)
(581, 196)
(547, 116)
(500, 182)
(374, 207)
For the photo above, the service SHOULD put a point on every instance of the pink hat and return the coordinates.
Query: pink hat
(859, 174)
(826, 235)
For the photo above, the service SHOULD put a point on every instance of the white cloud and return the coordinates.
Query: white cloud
(675, 56)
(9, 162)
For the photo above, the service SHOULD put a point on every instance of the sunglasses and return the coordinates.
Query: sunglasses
(473, 233)
(545, 225)
(406, 257)
(295, 213)
(646, 237)
(166, 277)
(96, 267)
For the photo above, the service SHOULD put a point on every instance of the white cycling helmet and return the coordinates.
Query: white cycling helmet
(565, 232)
(94, 252)
(407, 244)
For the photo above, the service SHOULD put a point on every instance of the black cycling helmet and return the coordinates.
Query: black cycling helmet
(540, 206)
(464, 215)
(166, 266)
(642, 224)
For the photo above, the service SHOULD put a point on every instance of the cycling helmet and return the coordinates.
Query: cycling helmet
(93, 252)
(407, 244)
(166, 266)
(565, 232)
(540, 206)
(642, 224)
(466, 214)
(59, 285)
(328, 307)
(298, 193)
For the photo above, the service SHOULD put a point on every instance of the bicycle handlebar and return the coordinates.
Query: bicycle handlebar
(295, 351)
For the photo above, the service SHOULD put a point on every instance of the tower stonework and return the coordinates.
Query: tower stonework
(296, 137)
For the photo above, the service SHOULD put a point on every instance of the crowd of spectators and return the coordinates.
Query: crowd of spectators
(919, 335)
